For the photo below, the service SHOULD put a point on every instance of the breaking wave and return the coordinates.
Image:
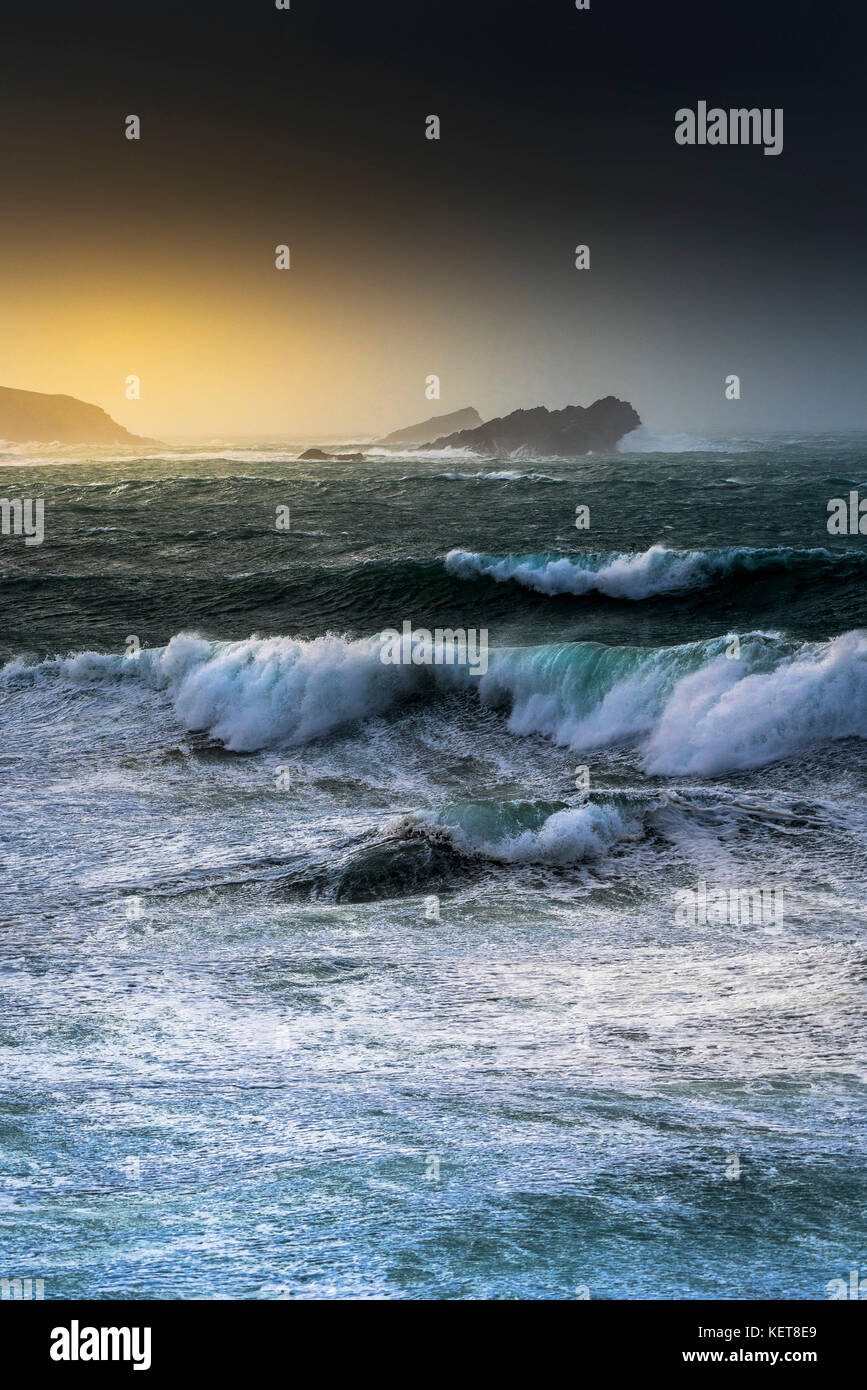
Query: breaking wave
(699, 708)
(527, 832)
(502, 475)
(646, 574)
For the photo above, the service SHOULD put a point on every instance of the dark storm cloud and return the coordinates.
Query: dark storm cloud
(557, 127)
(538, 101)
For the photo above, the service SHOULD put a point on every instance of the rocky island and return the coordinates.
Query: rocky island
(465, 419)
(320, 456)
(576, 429)
(33, 417)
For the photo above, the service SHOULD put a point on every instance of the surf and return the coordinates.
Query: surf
(687, 709)
(651, 573)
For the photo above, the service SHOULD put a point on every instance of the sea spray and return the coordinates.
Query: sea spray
(529, 832)
(646, 574)
(690, 709)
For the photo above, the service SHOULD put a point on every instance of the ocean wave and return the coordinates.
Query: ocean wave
(702, 708)
(353, 595)
(502, 475)
(394, 867)
(429, 850)
(643, 574)
(527, 832)
(260, 691)
(205, 483)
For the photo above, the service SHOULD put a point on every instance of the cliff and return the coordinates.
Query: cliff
(438, 424)
(31, 416)
(576, 429)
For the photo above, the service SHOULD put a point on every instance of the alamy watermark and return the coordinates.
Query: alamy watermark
(442, 646)
(847, 517)
(855, 1288)
(21, 1290)
(705, 906)
(77, 1343)
(737, 126)
(23, 516)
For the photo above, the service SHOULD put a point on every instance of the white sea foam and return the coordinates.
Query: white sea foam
(719, 718)
(502, 475)
(626, 575)
(690, 709)
(637, 576)
(566, 836)
(261, 691)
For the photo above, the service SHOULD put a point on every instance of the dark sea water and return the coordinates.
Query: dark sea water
(325, 978)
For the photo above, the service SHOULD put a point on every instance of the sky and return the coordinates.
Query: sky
(413, 257)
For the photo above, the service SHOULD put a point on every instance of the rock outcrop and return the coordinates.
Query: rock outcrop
(319, 455)
(31, 416)
(576, 429)
(466, 419)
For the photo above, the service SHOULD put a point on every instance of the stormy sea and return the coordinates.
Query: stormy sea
(323, 977)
